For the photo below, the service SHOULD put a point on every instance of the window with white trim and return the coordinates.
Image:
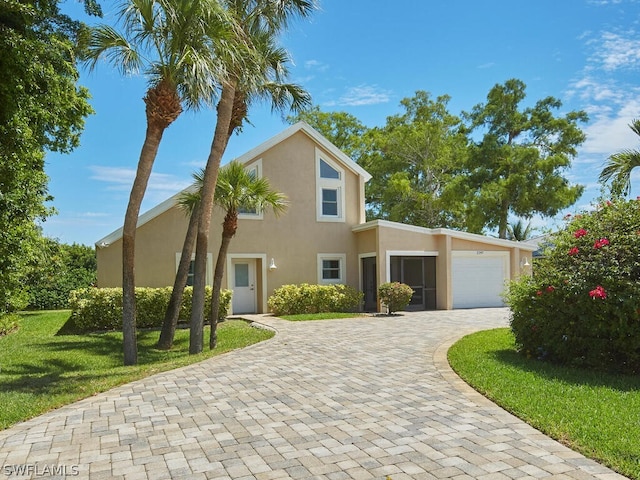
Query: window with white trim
(330, 190)
(190, 275)
(255, 170)
(331, 268)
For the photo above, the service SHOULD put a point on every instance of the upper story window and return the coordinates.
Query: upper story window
(327, 171)
(330, 199)
(255, 170)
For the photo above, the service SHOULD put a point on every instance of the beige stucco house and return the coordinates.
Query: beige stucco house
(322, 238)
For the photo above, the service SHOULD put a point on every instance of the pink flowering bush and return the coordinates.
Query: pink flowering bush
(582, 304)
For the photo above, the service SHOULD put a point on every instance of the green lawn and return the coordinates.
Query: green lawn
(40, 370)
(595, 413)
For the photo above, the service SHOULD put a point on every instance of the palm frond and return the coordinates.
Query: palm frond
(236, 188)
(105, 41)
(618, 167)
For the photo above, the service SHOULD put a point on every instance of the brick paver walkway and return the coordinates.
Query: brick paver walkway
(343, 399)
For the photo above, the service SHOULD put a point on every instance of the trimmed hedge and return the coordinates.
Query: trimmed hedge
(306, 298)
(101, 308)
(395, 295)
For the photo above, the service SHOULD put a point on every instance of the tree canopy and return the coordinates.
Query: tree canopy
(41, 108)
(517, 165)
(342, 129)
(413, 160)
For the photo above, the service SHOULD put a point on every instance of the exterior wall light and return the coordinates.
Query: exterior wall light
(272, 265)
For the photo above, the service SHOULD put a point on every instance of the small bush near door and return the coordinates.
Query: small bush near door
(395, 295)
(305, 298)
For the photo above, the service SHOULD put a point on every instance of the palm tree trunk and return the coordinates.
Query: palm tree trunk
(218, 146)
(217, 287)
(167, 334)
(147, 157)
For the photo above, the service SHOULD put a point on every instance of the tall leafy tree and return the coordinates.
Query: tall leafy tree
(172, 41)
(618, 168)
(41, 109)
(413, 160)
(342, 129)
(255, 77)
(517, 165)
(238, 189)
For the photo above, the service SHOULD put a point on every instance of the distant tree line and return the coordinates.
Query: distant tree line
(58, 269)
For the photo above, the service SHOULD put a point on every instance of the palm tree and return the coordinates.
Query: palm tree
(236, 189)
(189, 201)
(618, 168)
(255, 77)
(518, 232)
(171, 40)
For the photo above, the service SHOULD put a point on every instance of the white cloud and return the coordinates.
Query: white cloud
(609, 130)
(605, 2)
(609, 93)
(121, 179)
(93, 214)
(316, 65)
(362, 95)
(614, 51)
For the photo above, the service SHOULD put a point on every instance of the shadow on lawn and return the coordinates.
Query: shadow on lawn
(53, 379)
(570, 375)
(72, 360)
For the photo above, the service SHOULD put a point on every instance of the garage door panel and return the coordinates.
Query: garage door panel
(479, 281)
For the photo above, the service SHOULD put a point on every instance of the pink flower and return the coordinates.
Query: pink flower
(598, 292)
(603, 242)
(551, 289)
(539, 293)
(609, 203)
(581, 232)
(573, 251)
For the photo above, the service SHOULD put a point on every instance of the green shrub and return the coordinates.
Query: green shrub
(305, 298)
(58, 270)
(395, 295)
(101, 308)
(8, 323)
(582, 305)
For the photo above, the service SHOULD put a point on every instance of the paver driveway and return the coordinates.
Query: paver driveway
(342, 399)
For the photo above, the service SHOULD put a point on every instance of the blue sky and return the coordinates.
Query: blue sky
(364, 57)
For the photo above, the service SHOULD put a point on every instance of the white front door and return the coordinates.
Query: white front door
(243, 279)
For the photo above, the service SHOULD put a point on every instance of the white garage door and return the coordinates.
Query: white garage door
(479, 278)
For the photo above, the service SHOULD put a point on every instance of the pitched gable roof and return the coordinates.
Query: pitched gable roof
(246, 157)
